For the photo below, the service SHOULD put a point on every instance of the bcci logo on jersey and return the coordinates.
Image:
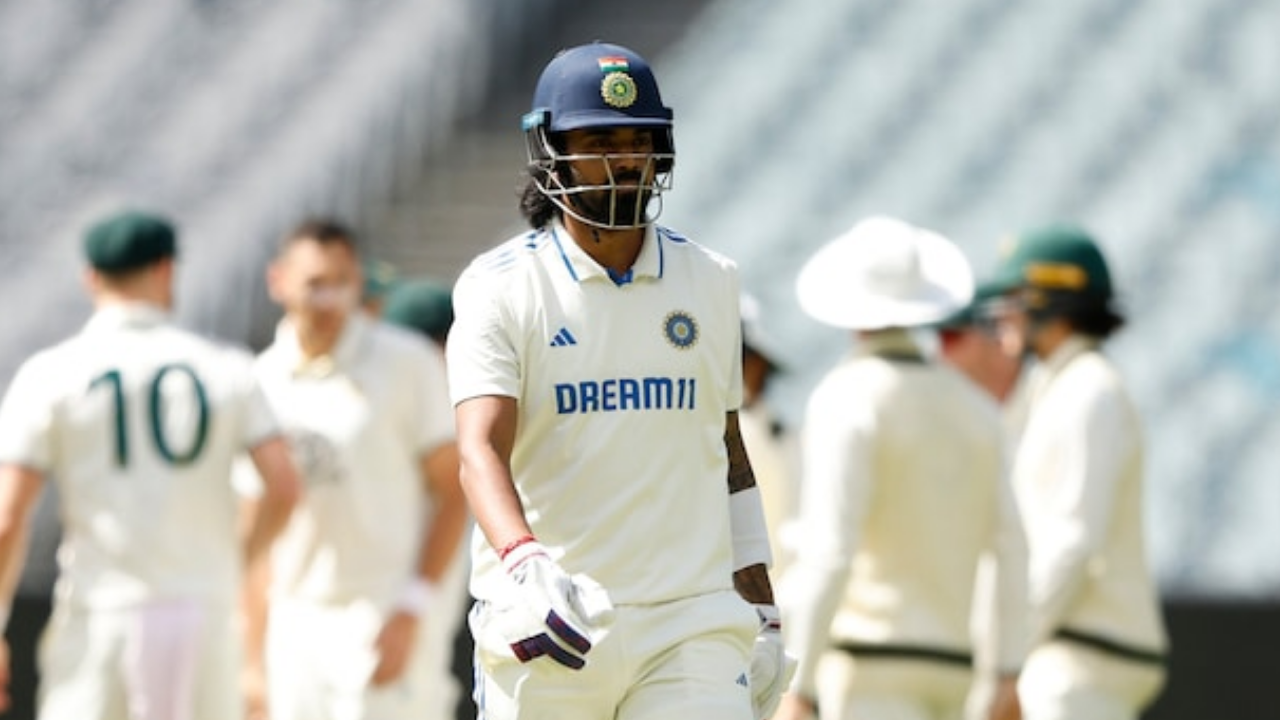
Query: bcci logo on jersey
(680, 329)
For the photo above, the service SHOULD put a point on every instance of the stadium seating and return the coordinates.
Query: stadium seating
(236, 117)
(1157, 126)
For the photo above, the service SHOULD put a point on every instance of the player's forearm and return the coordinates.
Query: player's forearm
(741, 476)
(448, 523)
(1053, 589)
(253, 612)
(815, 588)
(282, 490)
(486, 436)
(746, 518)
(753, 584)
(493, 500)
(268, 518)
(19, 490)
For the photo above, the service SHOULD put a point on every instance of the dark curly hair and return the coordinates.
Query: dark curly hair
(536, 208)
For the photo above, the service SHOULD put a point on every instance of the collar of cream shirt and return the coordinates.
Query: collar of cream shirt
(126, 314)
(1072, 347)
(343, 356)
(648, 263)
(1044, 371)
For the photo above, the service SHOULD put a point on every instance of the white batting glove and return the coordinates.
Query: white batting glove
(554, 615)
(771, 666)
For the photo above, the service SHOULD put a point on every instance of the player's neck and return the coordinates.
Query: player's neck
(316, 340)
(616, 250)
(1049, 337)
(105, 297)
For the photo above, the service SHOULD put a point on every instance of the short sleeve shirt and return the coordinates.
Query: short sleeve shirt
(138, 422)
(359, 421)
(623, 386)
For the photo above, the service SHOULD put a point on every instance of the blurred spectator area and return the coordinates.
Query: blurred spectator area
(1155, 124)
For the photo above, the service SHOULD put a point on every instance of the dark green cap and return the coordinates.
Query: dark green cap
(379, 276)
(1062, 259)
(972, 313)
(129, 240)
(421, 304)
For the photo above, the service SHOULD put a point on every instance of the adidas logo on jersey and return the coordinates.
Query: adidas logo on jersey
(563, 338)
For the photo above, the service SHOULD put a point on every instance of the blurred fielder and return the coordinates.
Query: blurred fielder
(904, 493)
(971, 342)
(1098, 641)
(356, 575)
(139, 422)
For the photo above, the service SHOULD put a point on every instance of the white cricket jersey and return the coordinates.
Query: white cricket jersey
(138, 422)
(359, 422)
(1078, 473)
(904, 492)
(619, 456)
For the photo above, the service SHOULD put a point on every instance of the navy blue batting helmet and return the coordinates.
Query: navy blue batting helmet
(598, 85)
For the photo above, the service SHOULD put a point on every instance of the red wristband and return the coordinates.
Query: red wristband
(505, 550)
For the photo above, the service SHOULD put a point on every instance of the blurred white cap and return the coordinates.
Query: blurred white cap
(885, 273)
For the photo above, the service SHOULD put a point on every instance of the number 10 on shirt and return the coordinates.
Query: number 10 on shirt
(155, 408)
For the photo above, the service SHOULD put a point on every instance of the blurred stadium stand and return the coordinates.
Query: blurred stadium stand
(238, 118)
(1156, 124)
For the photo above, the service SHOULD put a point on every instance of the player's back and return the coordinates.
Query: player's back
(936, 460)
(143, 422)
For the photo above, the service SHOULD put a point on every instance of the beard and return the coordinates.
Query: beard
(622, 206)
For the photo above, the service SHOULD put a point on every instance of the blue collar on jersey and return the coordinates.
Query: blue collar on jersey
(649, 263)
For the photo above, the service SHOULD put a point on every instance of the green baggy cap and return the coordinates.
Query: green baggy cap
(129, 240)
(421, 304)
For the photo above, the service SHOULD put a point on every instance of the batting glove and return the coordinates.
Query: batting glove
(771, 666)
(554, 615)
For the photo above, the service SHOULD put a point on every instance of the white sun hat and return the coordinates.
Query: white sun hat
(885, 273)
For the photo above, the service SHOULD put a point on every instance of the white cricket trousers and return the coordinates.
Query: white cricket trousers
(172, 659)
(853, 688)
(320, 658)
(684, 659)
(1065, 681)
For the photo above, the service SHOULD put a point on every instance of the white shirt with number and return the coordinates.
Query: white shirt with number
(623, 386)
(138, 422)
(359, 421)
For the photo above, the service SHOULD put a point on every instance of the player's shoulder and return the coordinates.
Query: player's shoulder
(1090, 380)
(49, 362)
(681, 245)
(508, 258)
